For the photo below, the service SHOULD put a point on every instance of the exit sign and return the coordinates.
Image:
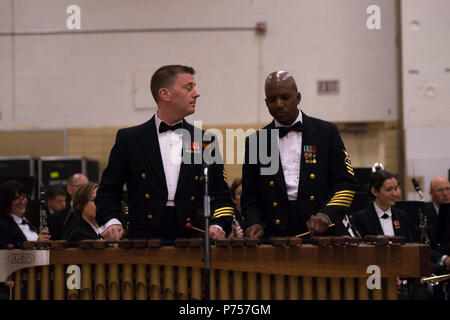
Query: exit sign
(328, 87)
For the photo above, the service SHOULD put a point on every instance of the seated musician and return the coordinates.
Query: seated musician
(381, 218)
(440, 193)
(14, 227)
(238, 221)
(84, 207)
(440, 253)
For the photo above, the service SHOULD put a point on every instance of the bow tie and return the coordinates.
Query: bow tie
(163, 127)
(385, 216)
(24, 221)
(295, 127)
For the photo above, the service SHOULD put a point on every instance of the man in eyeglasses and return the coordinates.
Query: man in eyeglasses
(440, 194)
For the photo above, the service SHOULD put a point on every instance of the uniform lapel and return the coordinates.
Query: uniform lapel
(279, 176)
(396, 217)
(150, 144)
(310, 137)
(190, 146)
(374, 220)
(16, 229)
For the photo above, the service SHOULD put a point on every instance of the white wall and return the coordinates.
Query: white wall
(426, 90)
(78, 80)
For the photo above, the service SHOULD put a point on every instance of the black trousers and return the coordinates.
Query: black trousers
(170, 227)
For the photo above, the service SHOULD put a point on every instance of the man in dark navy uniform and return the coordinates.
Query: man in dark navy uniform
(308, 184)
(159, 163)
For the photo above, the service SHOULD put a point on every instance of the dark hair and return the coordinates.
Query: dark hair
(9, 191)
(377, 179)
(55, 190)
(82, 197)
(164, 77)
(236, 183)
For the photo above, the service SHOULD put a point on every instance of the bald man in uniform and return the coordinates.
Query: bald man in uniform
(312, 185)
(440, 193)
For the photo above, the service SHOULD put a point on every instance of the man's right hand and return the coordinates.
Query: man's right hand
(255, 231)
(113, 233)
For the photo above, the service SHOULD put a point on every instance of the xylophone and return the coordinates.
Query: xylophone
(282, 268)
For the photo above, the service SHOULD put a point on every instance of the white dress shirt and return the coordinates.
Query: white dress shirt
(290, 147)
(170, 145)
(386, 224)
(25, 228)
(436, 208)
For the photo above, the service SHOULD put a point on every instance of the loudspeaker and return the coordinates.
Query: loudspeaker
(57, 170)
(22, 169)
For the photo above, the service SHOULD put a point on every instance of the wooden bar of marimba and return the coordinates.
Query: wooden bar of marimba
(327, 269)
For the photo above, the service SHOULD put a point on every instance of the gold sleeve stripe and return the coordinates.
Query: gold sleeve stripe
(223, 215)
(223, 209)
(345, 191)
(223, 212)
(348, 198)
(341, 201)
(348, 195)
(338, 204)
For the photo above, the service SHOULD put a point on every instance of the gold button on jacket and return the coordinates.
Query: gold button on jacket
(312, 176)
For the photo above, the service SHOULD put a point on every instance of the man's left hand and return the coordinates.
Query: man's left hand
(318, 223)
(216, 232)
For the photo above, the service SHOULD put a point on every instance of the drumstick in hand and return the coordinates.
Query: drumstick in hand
(189, 226)
(306, 233)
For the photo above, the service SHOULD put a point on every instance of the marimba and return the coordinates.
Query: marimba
(286, 268)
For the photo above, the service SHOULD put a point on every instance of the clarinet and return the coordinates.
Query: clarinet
(423, 220)
(43, 225)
